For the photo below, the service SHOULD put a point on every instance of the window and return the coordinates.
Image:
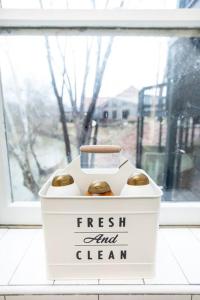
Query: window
(114, 114)
(49, 80)
(125, 114)
(105, 114)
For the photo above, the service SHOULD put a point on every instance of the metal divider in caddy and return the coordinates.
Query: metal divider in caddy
(101, 237)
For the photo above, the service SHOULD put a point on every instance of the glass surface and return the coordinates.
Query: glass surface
(99, 4)
(142, 93)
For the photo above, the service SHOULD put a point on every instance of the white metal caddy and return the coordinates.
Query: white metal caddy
(101, 237)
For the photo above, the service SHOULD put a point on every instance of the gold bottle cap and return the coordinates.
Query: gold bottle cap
(62, 180)
(138, 179)
(99, 187)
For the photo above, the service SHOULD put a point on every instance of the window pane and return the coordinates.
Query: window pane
(99, 4)
(140, 92)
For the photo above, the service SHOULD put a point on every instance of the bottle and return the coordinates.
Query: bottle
(138, 179)
(99, 188)
(63, 186)
(137, 185)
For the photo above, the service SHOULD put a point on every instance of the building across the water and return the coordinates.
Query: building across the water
(118, 108)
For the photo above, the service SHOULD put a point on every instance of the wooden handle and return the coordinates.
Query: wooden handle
(100, 148)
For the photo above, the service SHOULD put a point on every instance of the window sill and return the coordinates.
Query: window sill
(22, 270)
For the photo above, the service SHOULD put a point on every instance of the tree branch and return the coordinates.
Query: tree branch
(68, 82)
(84, 138)
(60, 103)
(85, 77)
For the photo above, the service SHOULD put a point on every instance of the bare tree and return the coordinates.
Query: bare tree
(23, 129)
(19, 142)
(59, 98)
(18, 145)
(82, 118)
(100, 69)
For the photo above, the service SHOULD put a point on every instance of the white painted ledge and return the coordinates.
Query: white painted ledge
(120, 18)
(101, 289)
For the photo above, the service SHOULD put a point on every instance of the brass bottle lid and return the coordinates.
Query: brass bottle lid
(138, 179)
(99, 187)
(62, 180)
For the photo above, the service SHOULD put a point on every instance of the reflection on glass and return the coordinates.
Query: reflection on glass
(140, 92)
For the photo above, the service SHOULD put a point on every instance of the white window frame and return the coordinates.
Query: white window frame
(121, 21)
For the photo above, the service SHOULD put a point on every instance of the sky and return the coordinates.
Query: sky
(134, 60)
